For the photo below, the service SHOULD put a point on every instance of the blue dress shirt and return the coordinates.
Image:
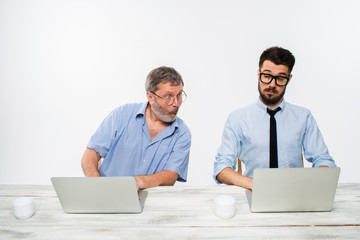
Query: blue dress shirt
(246, 136)
(123, 140)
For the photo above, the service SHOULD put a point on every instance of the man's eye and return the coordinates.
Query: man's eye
(267, 76)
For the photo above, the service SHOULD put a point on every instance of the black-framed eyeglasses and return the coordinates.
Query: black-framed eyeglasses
(169, 100)
(279, 80)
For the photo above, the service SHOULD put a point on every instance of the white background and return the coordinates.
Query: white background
(64, 65)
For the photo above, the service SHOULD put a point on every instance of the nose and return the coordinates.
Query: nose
(273, 83)
(176, 102)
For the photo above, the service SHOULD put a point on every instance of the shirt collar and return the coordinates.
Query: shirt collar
(142, 110)
(263, 107)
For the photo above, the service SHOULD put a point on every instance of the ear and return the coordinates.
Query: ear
(149, 97)
(258, 73)
(290, 78)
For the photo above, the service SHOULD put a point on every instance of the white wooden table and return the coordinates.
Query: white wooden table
(179, 212)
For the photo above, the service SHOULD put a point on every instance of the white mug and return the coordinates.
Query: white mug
(23, 207)
(224, 206)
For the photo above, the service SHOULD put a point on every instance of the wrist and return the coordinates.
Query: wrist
(139, 182)
(93, 174)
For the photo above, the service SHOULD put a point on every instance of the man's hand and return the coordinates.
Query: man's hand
(163, 178)
(139, 182)
(230, 177)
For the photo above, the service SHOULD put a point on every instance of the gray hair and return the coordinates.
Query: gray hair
(160, 75)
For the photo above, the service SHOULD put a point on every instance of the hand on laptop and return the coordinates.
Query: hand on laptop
(163, 178)
(93, 174)
(230, 177)
(138, 182)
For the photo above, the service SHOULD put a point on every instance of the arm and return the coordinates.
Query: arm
(228, 153)
(178, 161)
(89, 163)
(231, 177)
(175, 168)
(315, 149)
(163, 178)
(100, 142)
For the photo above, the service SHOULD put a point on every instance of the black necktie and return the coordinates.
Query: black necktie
(273, 139)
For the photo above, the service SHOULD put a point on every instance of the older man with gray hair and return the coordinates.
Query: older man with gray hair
(145, 140)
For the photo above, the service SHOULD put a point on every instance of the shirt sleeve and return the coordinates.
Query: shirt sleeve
(179, 158)
(104, 136)
(228, 150)
(315, 150)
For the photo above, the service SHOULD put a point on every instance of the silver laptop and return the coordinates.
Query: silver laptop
(293, 189)
(99, 194)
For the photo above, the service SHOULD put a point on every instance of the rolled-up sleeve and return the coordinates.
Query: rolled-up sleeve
(102, 139)
(179, 158)
(315, 150)
(229, 148)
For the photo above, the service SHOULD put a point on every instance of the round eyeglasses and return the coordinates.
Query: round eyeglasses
(279, 80)
(169, 100)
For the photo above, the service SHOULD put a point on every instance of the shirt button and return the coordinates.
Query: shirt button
(144, 160)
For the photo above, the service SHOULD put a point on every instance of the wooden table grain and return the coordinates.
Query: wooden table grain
(179, 212)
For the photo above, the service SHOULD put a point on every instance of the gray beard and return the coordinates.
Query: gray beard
(161, 114)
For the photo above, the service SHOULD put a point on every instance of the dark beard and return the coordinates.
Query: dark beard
(270, 100)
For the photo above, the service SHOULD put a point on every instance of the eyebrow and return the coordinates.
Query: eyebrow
(282, 73)
(170, 93)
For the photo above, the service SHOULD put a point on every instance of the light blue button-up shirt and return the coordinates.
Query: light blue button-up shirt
(123, 139)
(247, 132)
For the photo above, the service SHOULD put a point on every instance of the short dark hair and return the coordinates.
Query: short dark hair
(279, 56)
(162, 74)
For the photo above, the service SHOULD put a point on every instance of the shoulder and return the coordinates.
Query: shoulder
(297, 114)
(124, 113)
(297, 110)
(128, 109)
(242, 112)
(182, 127)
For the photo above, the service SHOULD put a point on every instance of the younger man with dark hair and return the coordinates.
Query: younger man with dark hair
(269, 132)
